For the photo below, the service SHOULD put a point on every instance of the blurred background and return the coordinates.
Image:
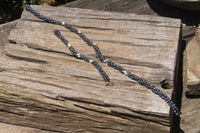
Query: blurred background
(12, 9)
(186, 10)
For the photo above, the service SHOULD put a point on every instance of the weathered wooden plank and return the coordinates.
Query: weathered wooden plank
(4, 32)
(191, 69)
(190, 115)
(55, 91)
(191, 92)
(8, 128)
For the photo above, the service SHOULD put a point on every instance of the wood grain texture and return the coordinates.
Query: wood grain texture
(129, 6)
(4, 33)
(43, 86)
(191, 69)
(190, 115)
(191, 88)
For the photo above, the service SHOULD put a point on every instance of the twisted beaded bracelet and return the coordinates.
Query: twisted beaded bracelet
(102, 59)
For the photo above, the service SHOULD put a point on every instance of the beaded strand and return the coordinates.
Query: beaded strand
(72, 50)
(102, 59)
(83, 57)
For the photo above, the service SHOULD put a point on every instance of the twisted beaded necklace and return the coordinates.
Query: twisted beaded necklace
(102, 59)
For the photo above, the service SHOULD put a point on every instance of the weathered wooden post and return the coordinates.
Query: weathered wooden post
(43, 86)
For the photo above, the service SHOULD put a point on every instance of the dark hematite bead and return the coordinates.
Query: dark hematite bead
(85, 39)
(84, 58)
(73, 30)
(173, 106)
(89, 42)
(106, 78)
(27, 7)
(163, 96)
(51, 21)
(82, 36)
(159, 91)
(73, 51)
(132, 76)
(167, 100)
(150, 86)
(58, 22)
(98, 52)
(65, 41)
(57, 33)
(101, 71)
(142, 81)
(67, 26)
(115, 66)
(110, 63)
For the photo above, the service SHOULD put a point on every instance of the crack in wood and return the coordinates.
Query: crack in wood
(26, 59)
(101, 103)
(122, 115)
(105, 128)
(84, 77)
